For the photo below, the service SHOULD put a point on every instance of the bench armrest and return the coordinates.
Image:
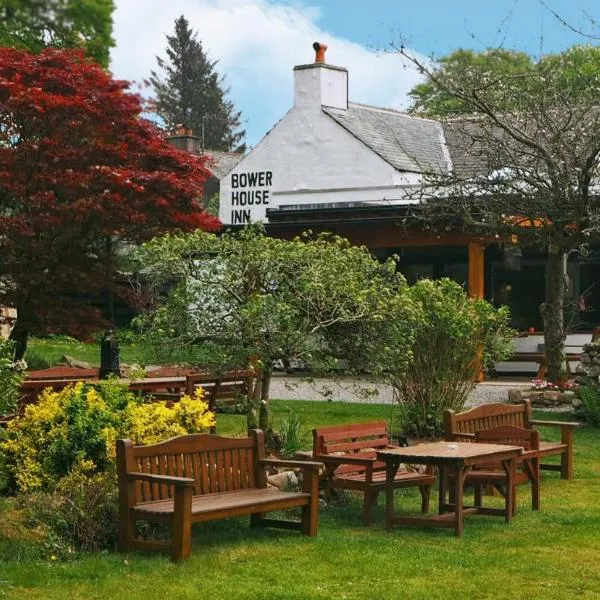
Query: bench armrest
(345, 460)
(554, 423)
(165, 479)
(308, 465)
(465, 436)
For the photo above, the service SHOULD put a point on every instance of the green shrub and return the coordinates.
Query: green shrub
(589, 393)
(290, 430)
(36, 358)
(11, 375)
(59, 458)
(453, 335)
(23, 539)
(75, 429)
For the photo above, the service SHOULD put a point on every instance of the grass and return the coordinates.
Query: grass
(551, 554)
(47, 352)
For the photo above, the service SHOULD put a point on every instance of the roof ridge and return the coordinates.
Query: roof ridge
(394, 111)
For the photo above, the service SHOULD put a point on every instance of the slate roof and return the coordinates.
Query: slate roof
(223, 162)
(407, 143)
(465, 139)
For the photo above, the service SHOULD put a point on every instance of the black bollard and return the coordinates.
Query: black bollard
(109, 355)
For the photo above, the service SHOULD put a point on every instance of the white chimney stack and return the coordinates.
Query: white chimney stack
(320, 84)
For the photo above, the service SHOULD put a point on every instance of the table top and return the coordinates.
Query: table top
(448, 452)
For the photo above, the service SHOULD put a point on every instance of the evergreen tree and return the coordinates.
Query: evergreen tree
(192, 93)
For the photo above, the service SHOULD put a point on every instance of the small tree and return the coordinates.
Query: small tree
(525, 163)
(192, 92)
(80, 174)
(449, 339)
(250, 299)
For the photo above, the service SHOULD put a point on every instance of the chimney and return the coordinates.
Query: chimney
(319, 84)
(184, 139)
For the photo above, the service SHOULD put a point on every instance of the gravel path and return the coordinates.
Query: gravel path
(288, 387)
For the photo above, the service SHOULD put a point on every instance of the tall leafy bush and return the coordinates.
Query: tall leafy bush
(453, 335)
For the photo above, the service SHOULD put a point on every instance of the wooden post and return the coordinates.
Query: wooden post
(476, 286)
(476, 275)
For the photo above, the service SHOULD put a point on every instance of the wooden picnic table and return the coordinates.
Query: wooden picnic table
(453, 460)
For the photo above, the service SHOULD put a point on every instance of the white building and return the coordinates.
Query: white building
(331, 164)
(328, 150)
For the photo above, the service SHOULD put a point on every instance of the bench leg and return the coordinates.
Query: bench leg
(126, 532)
(425, 495)
(310, 512)
(370, 500)
(535, 484)
(256, 520)
(566, 459)
(478, 492)
(182, 524)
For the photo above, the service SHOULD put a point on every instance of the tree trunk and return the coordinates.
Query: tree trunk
(263, 413)
(19, 335)
(552, 313)
(258, 409)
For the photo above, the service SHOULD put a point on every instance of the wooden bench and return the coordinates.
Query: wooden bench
(540, 359)
(493, 474)
(226, 388)
(349, 455)
(464, 427)
(203, 477)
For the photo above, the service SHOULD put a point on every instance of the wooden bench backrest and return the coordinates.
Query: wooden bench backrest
(356, 439)
(224, 387)
(217, 464)
(528, 439)
(486, 416)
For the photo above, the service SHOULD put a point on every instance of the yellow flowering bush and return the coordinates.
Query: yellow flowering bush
(148, 424)
(75, 430)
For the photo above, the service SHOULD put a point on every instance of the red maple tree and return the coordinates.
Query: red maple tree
(80, 170)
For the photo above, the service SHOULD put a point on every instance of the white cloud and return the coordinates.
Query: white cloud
(257, 43)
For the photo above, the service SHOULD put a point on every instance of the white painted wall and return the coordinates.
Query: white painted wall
(308, 158)
(308, 155)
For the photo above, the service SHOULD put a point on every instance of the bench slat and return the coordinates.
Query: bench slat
(226, 501)
(357, 445)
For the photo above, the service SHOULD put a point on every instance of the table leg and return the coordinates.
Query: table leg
(459, 486)
(443, 483)
(391, 469)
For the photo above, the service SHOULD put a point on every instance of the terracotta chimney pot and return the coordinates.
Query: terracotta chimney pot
(320, 52)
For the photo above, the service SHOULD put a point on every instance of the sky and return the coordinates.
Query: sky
(258, 42)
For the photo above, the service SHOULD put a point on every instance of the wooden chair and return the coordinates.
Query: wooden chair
(528, 465)
(461, 427)
(349, 455)
(203, 477)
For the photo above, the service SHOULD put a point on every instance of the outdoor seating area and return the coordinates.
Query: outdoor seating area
(203, 477)
(339, 342)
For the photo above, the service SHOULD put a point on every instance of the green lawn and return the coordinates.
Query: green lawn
(47, 352)
(552, 554)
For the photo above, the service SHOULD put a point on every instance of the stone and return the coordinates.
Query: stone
(515, 396)
(8, 318)
(322, 503)
(284, 481)
(78, 364)
(576, 402)
(551, 395)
